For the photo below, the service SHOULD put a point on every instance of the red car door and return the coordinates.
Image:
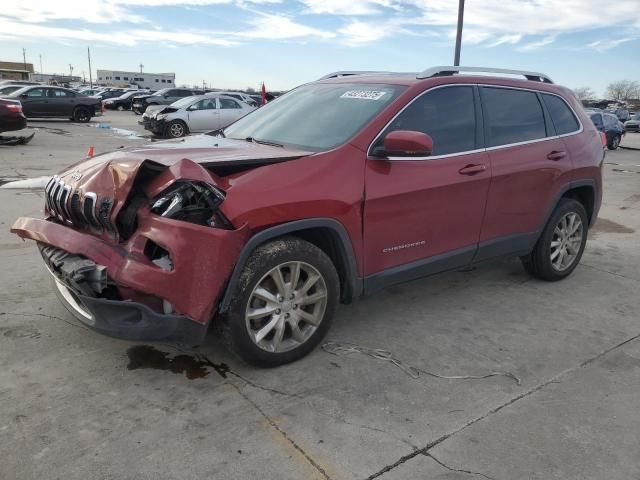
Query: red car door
(529, 166)
(424, 215)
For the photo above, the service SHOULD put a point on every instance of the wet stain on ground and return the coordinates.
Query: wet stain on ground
(193, 366)
(604, 225)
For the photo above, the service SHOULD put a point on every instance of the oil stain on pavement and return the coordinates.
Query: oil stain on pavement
(193, 367)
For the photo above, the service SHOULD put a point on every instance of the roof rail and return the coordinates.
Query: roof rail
(451, 70)
(349, 73)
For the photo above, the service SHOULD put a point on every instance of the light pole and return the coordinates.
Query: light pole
(456, 58)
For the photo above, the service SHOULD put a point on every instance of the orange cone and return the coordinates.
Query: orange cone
(90, 152)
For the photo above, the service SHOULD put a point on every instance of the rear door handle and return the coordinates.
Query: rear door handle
(472, 169)
(557, 155)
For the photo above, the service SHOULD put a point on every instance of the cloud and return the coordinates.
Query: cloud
(279, 27)
(606, 44)
(346, 7)
(527, 47)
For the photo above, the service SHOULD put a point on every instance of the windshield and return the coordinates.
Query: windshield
(161, 92)
(183, 102)
(315, 117)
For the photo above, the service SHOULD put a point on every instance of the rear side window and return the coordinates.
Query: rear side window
(596, 118)
(561, 115)
(228, 103)
(446, 114)
(512, 116)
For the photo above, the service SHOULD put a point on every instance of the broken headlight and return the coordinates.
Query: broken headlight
(193, 202)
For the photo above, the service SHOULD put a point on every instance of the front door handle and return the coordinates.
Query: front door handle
(472, 169)
(557, 155)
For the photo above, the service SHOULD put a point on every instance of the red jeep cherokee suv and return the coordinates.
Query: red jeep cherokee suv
(337, 189)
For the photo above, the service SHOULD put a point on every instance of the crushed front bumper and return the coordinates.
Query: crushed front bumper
(202, 258)
(129, 320)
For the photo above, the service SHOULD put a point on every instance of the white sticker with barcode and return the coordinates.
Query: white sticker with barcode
(364, 94)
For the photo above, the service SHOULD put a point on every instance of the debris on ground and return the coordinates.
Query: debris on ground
(342, 348)
(16, 140)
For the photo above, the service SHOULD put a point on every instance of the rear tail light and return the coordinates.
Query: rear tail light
(14, 107)
(603, 139)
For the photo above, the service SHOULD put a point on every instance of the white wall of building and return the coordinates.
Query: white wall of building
(119, 78)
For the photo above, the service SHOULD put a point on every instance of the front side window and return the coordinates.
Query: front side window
(512, 116)
(447, 115)
(36, 93)
(317, 116)
(206, 104)
(228, 103)
(561, 115)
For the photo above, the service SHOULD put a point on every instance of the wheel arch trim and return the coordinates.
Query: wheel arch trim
(354, 283)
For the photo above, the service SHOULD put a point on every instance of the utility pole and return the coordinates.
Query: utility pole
(456, 58)
(40, 55)
(70, 70)
(90, 75)
(24, 61)
(141, 65)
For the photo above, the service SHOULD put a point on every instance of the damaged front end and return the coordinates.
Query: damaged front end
(138, 250)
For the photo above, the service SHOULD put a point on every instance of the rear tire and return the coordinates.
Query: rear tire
(560, 247)
(614, 143)
(283, 303)
(81, 115)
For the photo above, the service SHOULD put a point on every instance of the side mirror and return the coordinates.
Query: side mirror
(406, 143)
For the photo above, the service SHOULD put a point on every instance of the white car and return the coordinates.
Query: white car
(201, 113)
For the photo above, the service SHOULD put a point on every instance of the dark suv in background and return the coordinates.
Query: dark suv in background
(166, 96)
(335, 190)
(610, 125)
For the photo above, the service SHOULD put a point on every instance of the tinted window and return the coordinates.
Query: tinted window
(611, 121)
(512, 116)
(228, 103)
(561, 115)
(36, 92)
(596, 118)
(446, 114)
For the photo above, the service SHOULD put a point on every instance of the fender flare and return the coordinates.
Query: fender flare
(353, 282)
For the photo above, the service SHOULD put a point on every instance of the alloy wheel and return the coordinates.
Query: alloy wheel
(176, 130)
(566, 241)
(286, 307)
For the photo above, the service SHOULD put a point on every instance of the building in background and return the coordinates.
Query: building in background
(118, 78)
(55, 79)
(15, 70)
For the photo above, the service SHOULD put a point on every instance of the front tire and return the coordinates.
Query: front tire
(560, 247)
(120, 108)
(81, 115)
(283, 303)
(175, 129)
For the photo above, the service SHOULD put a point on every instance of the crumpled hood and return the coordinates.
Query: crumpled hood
(152, 110)
(110, 176)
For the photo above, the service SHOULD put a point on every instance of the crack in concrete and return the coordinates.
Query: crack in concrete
(284, 434)
(554, 379)
(77, 325)
(461, 470)
(610, 273)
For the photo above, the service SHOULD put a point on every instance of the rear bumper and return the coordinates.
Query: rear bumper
(129, 320)
(12, 124)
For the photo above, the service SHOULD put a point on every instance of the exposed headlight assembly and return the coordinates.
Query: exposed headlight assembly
(193, 202)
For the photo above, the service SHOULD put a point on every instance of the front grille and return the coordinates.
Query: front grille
(74, 208)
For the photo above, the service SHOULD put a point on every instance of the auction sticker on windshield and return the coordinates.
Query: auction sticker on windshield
(363, 94)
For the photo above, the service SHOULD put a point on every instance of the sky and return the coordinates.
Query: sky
(241, 43)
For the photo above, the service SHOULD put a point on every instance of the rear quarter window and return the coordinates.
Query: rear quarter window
(512, 116)
(562, 117)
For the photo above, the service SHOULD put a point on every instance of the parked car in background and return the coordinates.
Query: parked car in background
(633, 125)
(243, 97)
(201, 113)
(123, 102)
(40, 102)
(339, 188)
(622, 113)
(610, 125)
(11, 116)
(107, 94)
(166, 96)
(90, 91)
(7, 89)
